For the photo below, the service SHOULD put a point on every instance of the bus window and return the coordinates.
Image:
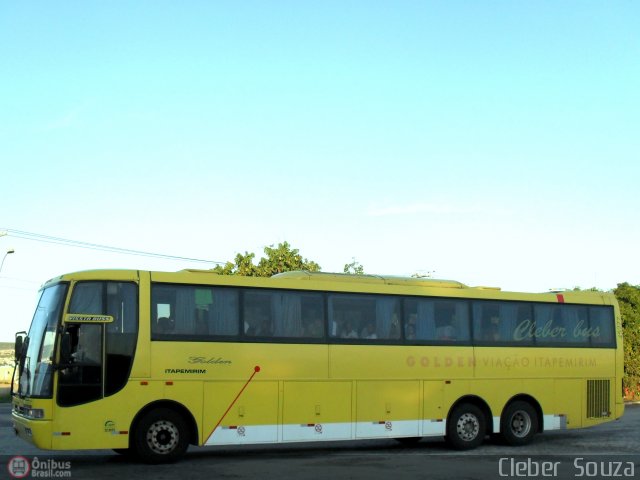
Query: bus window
(560, 324)
(601, 330)
(436, 321)
(87, 298)
(286, 315)
(387, 324)
(215, 310)
(258, 317)
(364, 317)
(196, 313)
(298, 315)
(502, 323)
(222, 313)
(192, 312)
(80, 380)
(121, 335)
(575, 319)
(313, 315)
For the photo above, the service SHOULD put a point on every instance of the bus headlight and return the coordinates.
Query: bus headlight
(28, 412)
(34, 413)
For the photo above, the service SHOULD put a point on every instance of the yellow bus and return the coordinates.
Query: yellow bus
(151, 362)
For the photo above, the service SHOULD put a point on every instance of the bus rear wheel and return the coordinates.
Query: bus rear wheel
(466, 427)
(519, 423)
(161, 436)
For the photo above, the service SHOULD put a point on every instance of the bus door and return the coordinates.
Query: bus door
(97, 346)
(81, 368)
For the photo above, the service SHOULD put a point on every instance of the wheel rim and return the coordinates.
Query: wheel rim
(520, 423)
(163, 437)
(468, 427)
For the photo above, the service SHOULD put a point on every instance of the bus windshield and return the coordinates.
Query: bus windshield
(36, 362)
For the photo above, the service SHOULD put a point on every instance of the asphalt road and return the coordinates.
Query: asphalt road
(609, 450)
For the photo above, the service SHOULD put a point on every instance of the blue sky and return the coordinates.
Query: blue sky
(489, 142)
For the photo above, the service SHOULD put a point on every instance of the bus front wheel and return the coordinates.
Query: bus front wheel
(466, 427)
(519, 423)
(161, 436)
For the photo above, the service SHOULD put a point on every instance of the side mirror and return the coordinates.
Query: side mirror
(17, 349)
(65, 348)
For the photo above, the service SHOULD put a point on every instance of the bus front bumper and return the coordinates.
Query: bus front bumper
(35, 432)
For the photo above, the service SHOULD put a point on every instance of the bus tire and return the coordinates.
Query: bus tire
(466, 427)
(519, 423)
(161, 436)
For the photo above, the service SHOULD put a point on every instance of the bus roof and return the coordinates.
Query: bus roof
(345, 283)
(387, 280)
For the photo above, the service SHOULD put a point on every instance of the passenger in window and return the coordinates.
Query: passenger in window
(348, 331)
(369, 331)
(410, 327)
(314, 329)
(492, 331)
(202, 327)
(411, 331)
(166, 325)
(261, 327)
(394, 331)
(447, 333)
(89, 345)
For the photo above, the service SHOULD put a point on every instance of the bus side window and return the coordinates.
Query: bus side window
(486, 322)
(420, 321)
(163, 306)
(601, 326)
(576, 322)
(346, 313)
(549, 326)
(257, 314)
(313, 316)
(165, 325)
(88, 349)
(223, 314)
(297, 315)
(121, 335)
(202, 321)
(501, 322)
(387, 323)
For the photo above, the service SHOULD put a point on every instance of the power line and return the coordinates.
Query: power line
(38, 237)
(34, 289)
(16, 279)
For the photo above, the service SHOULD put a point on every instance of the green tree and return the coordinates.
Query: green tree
(242, 265)
(354, 268)
(629, 299)
(278, 259)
